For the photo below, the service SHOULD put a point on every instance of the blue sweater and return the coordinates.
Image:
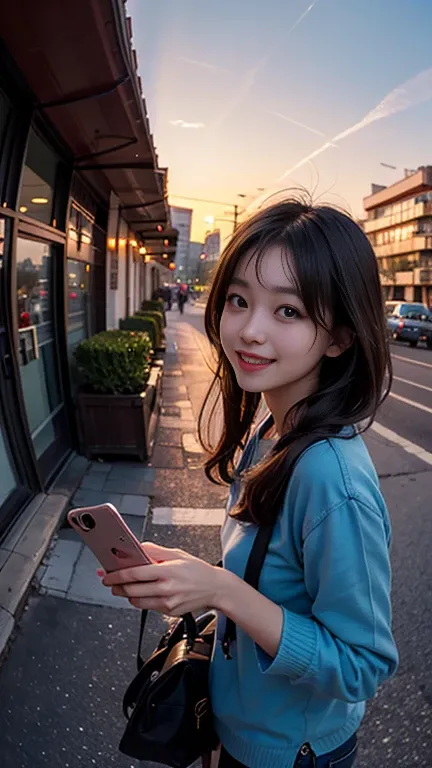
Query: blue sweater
(328, 568)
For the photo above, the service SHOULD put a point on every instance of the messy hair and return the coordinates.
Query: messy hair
(336, 274)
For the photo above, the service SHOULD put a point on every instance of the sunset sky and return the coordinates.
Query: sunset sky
(240, 93)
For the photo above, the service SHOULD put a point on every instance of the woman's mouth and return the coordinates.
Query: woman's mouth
(252, 363)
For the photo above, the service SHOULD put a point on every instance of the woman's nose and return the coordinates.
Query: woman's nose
(253, 331)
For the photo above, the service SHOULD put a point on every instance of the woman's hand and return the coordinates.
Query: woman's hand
(176, 584)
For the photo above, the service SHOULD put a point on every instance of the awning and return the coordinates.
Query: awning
(78, 60)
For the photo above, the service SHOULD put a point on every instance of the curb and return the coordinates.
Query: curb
(27, 543)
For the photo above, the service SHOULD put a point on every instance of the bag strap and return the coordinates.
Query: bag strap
(190, 633)
(252, 576)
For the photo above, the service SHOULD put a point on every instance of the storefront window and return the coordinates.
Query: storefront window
(37, 349)
(38, 181)
(78, 292)
(8, 481)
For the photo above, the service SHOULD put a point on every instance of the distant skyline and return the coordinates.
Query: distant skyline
(287, 93)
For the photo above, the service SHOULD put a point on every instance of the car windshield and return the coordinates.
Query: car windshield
(414, 311)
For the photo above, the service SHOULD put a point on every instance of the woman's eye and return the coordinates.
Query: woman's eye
(233, 298)
(288, 313)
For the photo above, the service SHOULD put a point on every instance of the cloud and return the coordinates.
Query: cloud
(300, 19)
(184, 124)
(203, 64)
(416, 90)
(295, 122)
(247, 83)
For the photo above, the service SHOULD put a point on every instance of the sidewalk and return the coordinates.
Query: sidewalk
(62, 685)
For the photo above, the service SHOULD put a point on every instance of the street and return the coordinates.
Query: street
(62, 683)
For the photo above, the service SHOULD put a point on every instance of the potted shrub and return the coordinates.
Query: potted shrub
(157, 316)
(119, 397)
(156, 305)
(147, 324)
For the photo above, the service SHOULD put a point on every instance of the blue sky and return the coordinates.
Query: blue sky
(224, 81)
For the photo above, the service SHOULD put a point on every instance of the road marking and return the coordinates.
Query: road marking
(414, 362)
(412, 383)
(405, 400)
(190, 444)
(407, 445)
(187, 516)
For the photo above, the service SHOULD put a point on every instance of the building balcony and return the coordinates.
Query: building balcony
(384, 222)
(411, 245)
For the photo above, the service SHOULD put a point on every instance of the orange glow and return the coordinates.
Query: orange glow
(166, 242)
(122, 242)
(203, 256)
(172, 265)
(133, 243)
(165, 255)
(159, 228)
(142, 251)
(147, 258)
(87, 268)
(111, 243)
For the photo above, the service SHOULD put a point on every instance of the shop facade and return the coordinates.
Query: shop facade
(76, 213)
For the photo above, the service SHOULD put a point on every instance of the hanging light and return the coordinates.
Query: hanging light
(142, 251)
(111, 243)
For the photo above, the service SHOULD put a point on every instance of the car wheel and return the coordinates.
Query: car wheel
(413, 343)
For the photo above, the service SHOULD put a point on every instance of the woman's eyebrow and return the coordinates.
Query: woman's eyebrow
(272, 288)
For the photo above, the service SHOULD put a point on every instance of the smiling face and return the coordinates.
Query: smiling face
(267, 336)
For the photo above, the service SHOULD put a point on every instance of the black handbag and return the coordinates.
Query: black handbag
(167, 704)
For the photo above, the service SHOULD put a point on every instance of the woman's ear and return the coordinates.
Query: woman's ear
(341, 339)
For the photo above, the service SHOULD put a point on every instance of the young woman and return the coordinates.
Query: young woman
(296, 318)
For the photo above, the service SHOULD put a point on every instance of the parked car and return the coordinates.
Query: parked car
(411, 322)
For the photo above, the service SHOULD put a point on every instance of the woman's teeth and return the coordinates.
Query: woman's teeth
(254, 360)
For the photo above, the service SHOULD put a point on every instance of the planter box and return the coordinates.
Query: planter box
(121, 424)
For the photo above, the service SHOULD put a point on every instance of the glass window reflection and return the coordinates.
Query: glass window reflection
(38, 180)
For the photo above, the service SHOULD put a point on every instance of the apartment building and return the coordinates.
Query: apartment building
(399, 226)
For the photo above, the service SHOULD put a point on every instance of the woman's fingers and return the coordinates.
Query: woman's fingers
(141, 573)
(160, 554)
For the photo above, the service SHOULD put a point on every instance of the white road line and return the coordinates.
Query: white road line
(414, 362)
(412, 383)
(187, 516)
(190, 444)
(405, 400)
(407, 445)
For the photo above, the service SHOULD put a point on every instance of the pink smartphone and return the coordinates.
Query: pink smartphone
(103, 529)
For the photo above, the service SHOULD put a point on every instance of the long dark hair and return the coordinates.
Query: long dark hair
(335, 271)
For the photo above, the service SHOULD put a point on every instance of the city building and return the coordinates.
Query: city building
(182, 221)
(399, 226)
(85, 230)
(194, 261)
(212, 250)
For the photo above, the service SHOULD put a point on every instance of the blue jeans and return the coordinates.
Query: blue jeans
(342, 757)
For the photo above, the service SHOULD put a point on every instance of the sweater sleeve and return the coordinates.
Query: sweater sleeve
(345, 649)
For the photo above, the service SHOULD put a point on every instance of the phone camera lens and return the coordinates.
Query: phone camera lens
(87, 521)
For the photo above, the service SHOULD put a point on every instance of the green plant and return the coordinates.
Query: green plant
(115, 362)
(143, 324)
(156, 315)
(157, 305)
